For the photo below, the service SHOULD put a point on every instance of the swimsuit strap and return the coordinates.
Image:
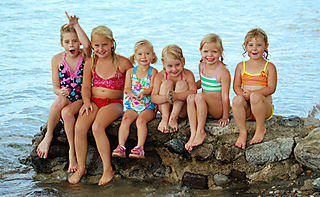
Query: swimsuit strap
(134, 70)
(166, 75)
(244, 67)
(149, 71)
(181, 75)
(265, 66)
(203, 67)
(218, 70)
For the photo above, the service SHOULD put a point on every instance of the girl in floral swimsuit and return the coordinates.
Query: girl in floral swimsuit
(138, 88)
(102, 92)
(67, 72)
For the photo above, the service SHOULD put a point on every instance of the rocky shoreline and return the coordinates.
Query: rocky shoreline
(289, 152)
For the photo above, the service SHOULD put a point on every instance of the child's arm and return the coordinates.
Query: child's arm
(198, 84)
(192, 88)
(55, 62)
(225, 83)
(148, 90)
(127, 88)
(86, 88)
(155, 96)
(83, 38)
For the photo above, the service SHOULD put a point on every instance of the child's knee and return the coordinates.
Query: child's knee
(181, 85)
(238, 101)
(59, 102)
(191, 99)
(167, 84)
(140, 121)
(66, 114)
(97, 129)
(199, 98)
(256, 98)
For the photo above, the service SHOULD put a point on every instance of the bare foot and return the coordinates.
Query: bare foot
(258, 136)
(173, 124)
(163, 126)
(43, 147)
(72, 163)
(241, 141)
(76, 177)
(106, 177)
(199, 138)
(188, 145)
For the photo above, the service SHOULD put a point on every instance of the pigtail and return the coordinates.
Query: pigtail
(131, 58)
(155, 59)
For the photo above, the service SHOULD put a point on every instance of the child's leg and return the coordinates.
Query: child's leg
(192, 116)
(241, 111)
(105, 116)
(124, 130)
(181, 86)
(165, 87)
(82, 127)
(261, 109)
(202, 111)
(141, 123)
(53, 119)
(69, 121)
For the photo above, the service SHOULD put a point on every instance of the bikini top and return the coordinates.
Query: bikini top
(114, 83)
(68, 76)
(210, 84)
(260, 79)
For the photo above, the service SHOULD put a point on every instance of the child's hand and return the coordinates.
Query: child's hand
(130, 95)
(140, 96)
(73, 20)
(64, 92)
(85, 109)
(223, 122)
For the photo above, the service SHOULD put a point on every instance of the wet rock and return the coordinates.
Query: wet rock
(203, 152)
(277, 150)
(307, 150)
(221, 179)
(195, 181)
(176, 145)
(316, 185)
(292, 121)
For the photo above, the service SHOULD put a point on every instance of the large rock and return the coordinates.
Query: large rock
(307, 150)
(217, 157)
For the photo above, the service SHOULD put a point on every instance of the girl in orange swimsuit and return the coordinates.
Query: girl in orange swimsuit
(255, 81)
(102, 92)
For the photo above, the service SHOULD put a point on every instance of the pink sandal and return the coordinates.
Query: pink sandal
(120, 151)
(137, 152)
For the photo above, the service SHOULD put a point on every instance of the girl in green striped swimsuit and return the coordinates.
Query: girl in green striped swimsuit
(214, 99)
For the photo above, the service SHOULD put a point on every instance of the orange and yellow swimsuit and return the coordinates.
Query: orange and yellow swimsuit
(260, 79)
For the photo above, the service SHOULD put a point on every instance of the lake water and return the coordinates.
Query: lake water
(29, 37)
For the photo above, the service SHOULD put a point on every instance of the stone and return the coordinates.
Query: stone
(221, 179)
(308, 149)
(195, 181)
(316, 185)
(276, 150)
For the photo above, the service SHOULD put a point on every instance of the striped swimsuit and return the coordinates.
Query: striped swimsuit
(210, 84)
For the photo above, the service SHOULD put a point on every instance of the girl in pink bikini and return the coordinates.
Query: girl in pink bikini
(171, 88)
(102, 92)
(67, 73)
(214, 98)
(138, 87)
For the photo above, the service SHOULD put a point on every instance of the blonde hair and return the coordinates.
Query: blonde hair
(106, 32)
(140, 44)
(64, 30)
(256, 33)
(212, 38)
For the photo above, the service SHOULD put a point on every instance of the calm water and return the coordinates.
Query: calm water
(29, 37)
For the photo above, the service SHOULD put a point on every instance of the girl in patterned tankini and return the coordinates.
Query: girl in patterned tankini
(67, 73)
(138, 87)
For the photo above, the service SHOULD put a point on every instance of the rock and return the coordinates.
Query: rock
(195, 181)
(277, 150)
(307, 150)
(221, 179)
(210, 165)
(316, 185)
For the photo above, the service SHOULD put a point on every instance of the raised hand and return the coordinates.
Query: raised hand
(73, 20)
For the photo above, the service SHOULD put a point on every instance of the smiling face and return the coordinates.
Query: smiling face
(102, 46)
(210, 53)
(173, 67)
(255, 47)
(71, 43)
(144, 55)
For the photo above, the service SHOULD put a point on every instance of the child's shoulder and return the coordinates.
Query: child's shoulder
(188, 72)
(57, 59)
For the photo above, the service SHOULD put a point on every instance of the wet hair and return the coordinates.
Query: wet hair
(63, 30)
(140, 44)
(106, 32)
(212, 38)
(256, 33)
